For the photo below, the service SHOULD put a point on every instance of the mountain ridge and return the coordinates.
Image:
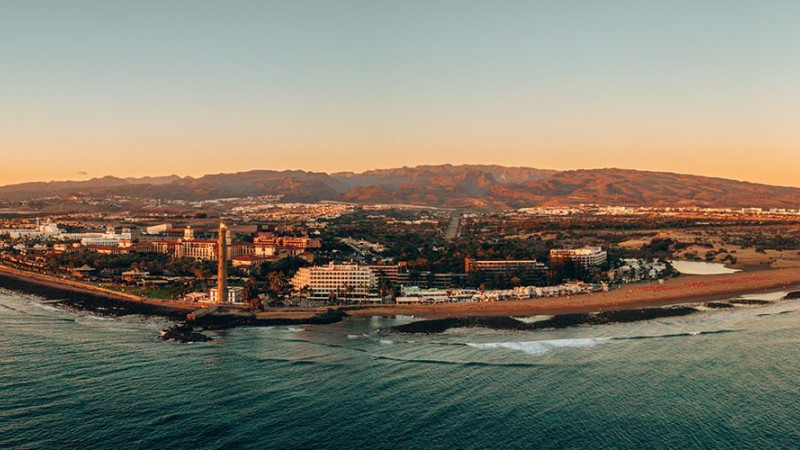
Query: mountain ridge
(447, 185)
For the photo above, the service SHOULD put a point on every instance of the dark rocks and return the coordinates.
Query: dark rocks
(561, 321)
(750, 302)
(183, 333)
(719, 305)
(223, 321)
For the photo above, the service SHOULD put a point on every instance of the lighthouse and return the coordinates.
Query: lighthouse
(222, 259)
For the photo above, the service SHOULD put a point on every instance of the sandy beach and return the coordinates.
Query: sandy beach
(684, 289)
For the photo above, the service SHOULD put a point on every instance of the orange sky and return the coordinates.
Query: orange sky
(190, 88)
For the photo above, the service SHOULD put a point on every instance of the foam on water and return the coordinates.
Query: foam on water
(533, 319)
(43, 306)
(540, 347)
(99, 317)
(770, 296)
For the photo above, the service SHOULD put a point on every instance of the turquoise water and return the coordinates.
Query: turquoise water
(726, 378)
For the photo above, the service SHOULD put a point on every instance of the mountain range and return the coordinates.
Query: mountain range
(456, 186)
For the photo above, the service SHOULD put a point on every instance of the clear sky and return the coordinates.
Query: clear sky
(136, 87)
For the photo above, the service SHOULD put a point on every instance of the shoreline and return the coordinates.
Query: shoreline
(87, 296)
(687, 289)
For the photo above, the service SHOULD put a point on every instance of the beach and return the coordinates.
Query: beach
(680, 290)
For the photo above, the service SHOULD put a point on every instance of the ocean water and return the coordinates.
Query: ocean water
(723, 378)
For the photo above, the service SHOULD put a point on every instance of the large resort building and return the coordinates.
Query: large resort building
(344, 282)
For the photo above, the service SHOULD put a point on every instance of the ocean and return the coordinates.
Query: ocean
(714, 379)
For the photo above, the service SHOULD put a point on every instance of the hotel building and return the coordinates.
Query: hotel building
(347, 282)
(501, 266)
(586, 257)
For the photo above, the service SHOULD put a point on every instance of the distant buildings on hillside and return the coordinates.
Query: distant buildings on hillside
(47, 231)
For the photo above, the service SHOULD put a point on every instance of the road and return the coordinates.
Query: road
(453, 228)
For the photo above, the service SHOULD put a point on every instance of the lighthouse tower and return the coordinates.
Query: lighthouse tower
(222, 259)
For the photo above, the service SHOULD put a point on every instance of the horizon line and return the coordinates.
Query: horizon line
(332, 173)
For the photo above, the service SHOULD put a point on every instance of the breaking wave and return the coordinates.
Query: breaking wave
(540, 347)
(672, 335)
(544, 346)
(43, 306)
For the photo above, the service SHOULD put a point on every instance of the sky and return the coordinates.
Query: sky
(139, 87)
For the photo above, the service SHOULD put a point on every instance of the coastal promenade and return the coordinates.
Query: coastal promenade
(680, 290)
(78, 287)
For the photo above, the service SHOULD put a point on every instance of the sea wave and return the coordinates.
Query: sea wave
(672, 335)
(98, 317)
(544, 346)
(540, 347)
(771, 296)
(779, 313)
(43, 306)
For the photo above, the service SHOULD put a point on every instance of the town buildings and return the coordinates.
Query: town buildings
(501, 266)
(46, 230)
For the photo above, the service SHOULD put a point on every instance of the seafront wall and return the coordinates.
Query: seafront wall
(106, 301)
(71, 285)
(89, 296)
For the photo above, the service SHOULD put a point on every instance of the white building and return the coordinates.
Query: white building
(46, 230)
(158, 229)
(586, 257)
(235, 294)
(413, 295)
(107, 239)
(347, 282)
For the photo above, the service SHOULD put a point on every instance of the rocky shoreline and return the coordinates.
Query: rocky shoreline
(508, 323)
(188, 331)
(72, 297)
(436, 326)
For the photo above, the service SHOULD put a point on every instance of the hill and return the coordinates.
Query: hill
(642, 188)
(462, 186)
(24, 191)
